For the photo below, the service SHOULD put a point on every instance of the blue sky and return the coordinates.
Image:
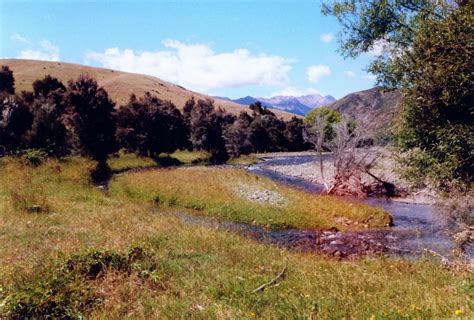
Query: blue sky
(226, 48)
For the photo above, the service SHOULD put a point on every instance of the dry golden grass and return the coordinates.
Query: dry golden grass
(196, 272)
(120, 85)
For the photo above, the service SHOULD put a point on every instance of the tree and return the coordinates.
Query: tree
(150, 126)
(48, 130)
(426, 50)
(294, 135)
(324, 117)
(46, 85)
(15, 120)
(207, 125)
(92, 117)
(7, 81)
(237, 137)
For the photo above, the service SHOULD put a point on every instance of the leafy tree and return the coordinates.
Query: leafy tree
(15, 120)
(426, 49)
(92, 116)
(46, 85)
(328, 119)
(266, 130)
(7, 81)
(438, 114)
(237, 136)
(49, 131)
(207, 125)
(150, 126)
(294, 135)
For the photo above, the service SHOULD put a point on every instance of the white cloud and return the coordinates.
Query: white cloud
(316, 72)
(295, 92)
(44, 51)
(369, 77)
(379, 47)
(350, 74)
(326, 37)
(19, 38)
(198, 67)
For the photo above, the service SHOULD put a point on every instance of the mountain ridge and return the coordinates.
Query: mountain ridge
(299, 105)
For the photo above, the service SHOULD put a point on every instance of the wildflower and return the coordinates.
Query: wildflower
(373, 317)
(459, 312)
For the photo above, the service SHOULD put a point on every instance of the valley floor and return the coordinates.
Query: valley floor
(69, 249)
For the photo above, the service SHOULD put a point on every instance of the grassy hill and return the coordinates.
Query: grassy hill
(120, 85)
(377, 107)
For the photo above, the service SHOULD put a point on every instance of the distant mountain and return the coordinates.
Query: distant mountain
(297, 105)
(377, 107)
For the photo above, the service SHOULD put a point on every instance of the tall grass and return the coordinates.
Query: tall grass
(188, 272)
(215, 192)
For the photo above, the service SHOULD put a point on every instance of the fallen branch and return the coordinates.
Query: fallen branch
(272, 282)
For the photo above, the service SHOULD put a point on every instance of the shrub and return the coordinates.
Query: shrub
(65, 289)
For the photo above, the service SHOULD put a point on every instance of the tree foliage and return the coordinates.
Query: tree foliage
(92, 116)
(149, 126)
(425, 49)
(80, 119)
(48, 130)
(324, 117)
(7, 81)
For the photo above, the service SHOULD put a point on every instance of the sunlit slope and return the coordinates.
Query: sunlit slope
(120, 85)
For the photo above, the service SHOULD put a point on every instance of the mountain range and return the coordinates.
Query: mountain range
(298, 105)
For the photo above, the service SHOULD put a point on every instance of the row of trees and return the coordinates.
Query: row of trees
(81, 118)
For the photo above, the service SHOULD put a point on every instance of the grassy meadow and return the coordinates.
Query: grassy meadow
(224, 193)
(69, 249)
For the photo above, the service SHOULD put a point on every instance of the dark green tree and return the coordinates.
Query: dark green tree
(425, 49)
(46, 85)
(15, 121)
(7, 81)
(92, 117)
(149, 126)
(207, 126)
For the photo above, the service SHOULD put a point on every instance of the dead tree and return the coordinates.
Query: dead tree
(352, 158)
(315, 134)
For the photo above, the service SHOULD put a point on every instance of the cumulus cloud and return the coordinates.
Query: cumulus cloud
(316, 72)
(326, 37)
(45, 50)
(350, 74)
(295, 92)
(197, 66)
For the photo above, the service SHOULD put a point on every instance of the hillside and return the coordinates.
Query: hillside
(375, 106)
(120, 85)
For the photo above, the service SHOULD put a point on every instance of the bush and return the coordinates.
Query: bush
(25, 194)
(65, 289)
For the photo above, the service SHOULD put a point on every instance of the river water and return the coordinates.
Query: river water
(417, 227)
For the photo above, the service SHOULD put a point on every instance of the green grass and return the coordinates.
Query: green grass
(125, 161)
(245, 160)
(110, 257)
(216, 192)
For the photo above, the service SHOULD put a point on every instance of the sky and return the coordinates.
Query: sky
(227, 48)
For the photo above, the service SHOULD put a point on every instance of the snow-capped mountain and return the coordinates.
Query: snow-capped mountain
(297, 105)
